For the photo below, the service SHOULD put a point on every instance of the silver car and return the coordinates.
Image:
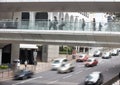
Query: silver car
(58, 62)
(95, 78)
(66, 67)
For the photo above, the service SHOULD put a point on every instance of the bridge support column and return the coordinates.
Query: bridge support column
(49, 52)
(32, 20)
(15, 51)
(0, 56)
(84, 50)
(44, 53)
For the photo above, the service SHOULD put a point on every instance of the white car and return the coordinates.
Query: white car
(95, 78)
(114, 52)
(57, 63)
(66, 67)
(97, 53)
(106, 55)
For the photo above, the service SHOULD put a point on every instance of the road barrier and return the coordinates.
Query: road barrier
(5, 74)
(113, 81)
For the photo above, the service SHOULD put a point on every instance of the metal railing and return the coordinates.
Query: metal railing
(69, 26)
(5, 74)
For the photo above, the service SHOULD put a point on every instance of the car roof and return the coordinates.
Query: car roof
(82, 54)
(60, 58)
(95, 74)
(91, 58)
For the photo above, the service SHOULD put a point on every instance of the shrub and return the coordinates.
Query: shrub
(3, 66)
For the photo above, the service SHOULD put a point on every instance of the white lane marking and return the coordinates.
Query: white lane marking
(27, 80)
(67, 76)
(78, 72)
(52, 82)
(102, 62)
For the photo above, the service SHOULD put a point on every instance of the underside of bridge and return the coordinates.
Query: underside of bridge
(60, 6)
(99, 39)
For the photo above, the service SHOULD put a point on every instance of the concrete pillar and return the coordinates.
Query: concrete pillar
(84, 49)
(0, 56)
(32, 20)
(15, 51)
(53, 52)
(49, 52)
(44, 53)
(78, 48)
(18, 15)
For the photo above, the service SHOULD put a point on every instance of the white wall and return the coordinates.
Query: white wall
(53, 52)
(0, 56)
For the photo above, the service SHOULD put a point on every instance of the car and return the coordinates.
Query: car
(97, 53)
(23, 74)
(106, 55)
(91, 62)
(58, 62)
(82, 58)
(66, 67)
(114, 52)
(95, 78)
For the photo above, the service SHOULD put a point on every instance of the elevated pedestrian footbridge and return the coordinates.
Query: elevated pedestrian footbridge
(71, 33)
(57, 37)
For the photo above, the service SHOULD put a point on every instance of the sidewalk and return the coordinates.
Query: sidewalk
(40, 67)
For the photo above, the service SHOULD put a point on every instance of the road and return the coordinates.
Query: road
(109, 68)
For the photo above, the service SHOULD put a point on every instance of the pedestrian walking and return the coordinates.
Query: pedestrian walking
(35, 57)
(83, 24)
(62, 24)
(26, 64)
(16, 23)
(94, 24)
(100, 26)
(55, 22)
(50, 24)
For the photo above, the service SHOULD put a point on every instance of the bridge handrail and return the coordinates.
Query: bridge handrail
(45, 24)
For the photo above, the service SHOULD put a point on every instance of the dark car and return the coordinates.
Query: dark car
(23, 74)
(95, 78)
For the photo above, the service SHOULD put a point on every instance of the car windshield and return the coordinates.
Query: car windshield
(89, 77)
(81, 56)
(97, 52)
(89, 60)
(106, 54)
(56, 61)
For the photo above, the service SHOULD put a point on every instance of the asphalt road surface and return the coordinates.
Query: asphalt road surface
(109, 68)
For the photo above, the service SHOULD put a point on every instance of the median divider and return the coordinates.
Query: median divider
(113, 81)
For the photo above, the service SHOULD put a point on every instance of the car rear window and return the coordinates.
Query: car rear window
(56, 61)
